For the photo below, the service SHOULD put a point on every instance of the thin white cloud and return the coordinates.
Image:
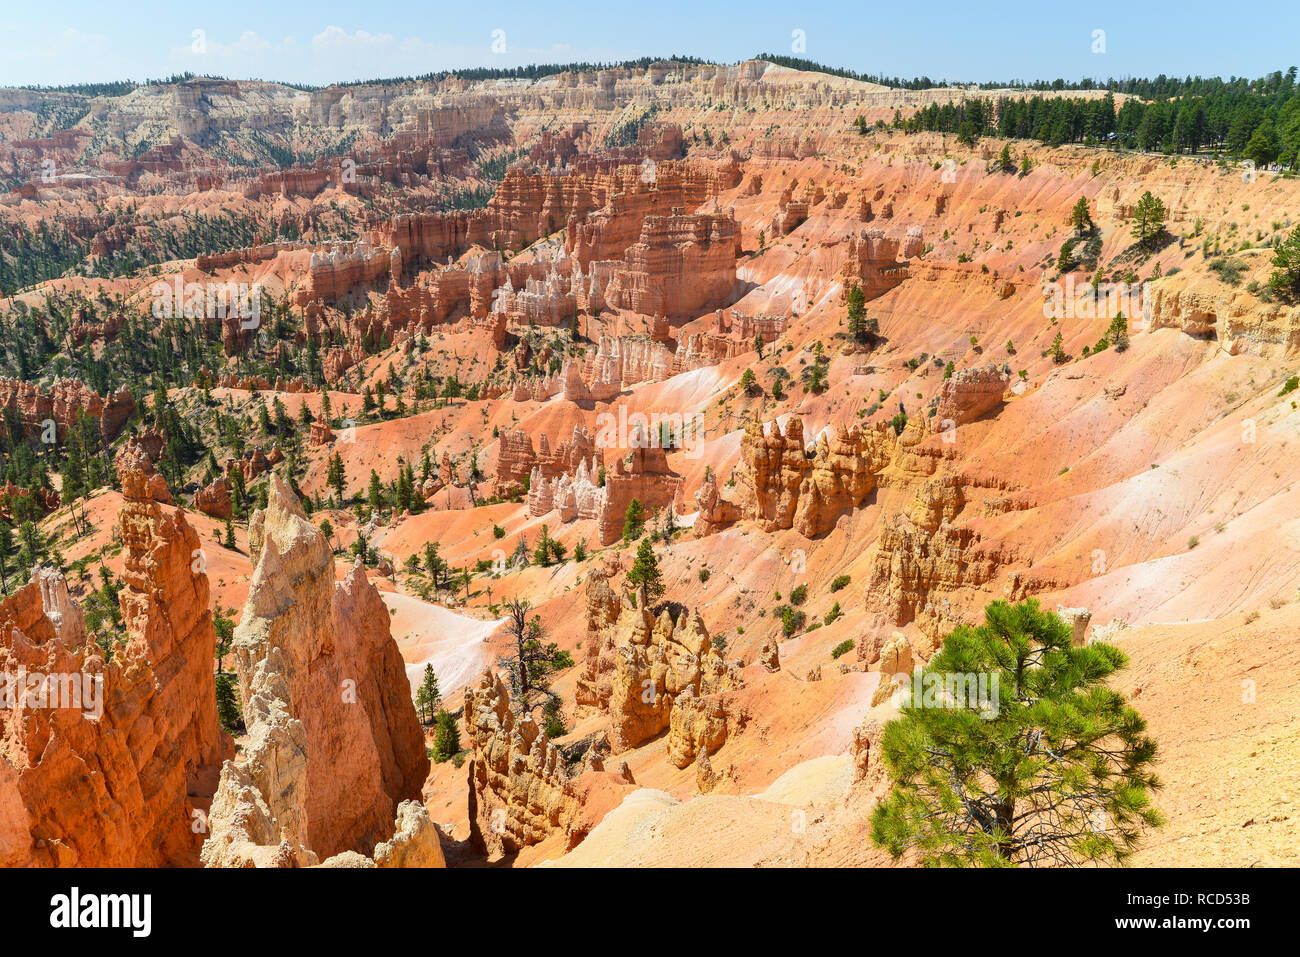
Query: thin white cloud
(334, 54)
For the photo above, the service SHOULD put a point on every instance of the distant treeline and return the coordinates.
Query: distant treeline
(1162, 87)
(1260, 123)
(534, 71)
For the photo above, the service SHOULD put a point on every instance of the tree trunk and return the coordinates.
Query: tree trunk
(1005, 820)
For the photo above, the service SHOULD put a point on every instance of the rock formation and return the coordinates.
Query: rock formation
(894, 666)
(1077, 619)
(713, 512)
(643, 474)
(779, 485)
(64, 405)
(516, 459)
(643, 670)
(140, 453)
(969, 394)
(872, 262)
(334, 742)
(520, 790)
(680, 264)
(214, 499)
(118, 775)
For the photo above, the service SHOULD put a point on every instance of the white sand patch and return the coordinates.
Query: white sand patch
(456, 645)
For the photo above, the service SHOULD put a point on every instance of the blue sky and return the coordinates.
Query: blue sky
(76, 41)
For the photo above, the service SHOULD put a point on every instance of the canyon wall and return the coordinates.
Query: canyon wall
(124, 787)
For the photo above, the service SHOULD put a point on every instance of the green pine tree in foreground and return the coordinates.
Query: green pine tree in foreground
(446, 739)
(645, 571)
(1061, 775)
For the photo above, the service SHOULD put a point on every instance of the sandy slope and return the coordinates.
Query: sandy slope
(454, 644)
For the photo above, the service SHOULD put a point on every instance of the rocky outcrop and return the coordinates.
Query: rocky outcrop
(680, 264)
(638, 667)
(1202, 307)
(520, 790)
(894, 666)
(111, 764)
(334, 742)
(253, 462)
(321, 433)
(643, 474)
(774, 465)
(214, 499)
(695, 726)
(603, 607)
(139, 454)
(415, 841)
(869, 769)
(713, 512)
(780, 485)
(64, 405)
(914, 565)
(516, 459)
(872, 262)
(1077, 619)
(969, 394)
(844, 472)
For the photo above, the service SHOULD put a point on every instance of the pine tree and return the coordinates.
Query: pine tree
(336, 475)
(856, 300)
(427, 696)
(1148, 220)
(6, 554)
(229, 713)
(446, 739)
(1285, 278)
(532, 660)
(1045, 765)
(433, 563)
(645, 571)
(553, 719)
(542, 553)
(1058, 350)
(633, 521)
(1118, 332)
(1081, 217)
